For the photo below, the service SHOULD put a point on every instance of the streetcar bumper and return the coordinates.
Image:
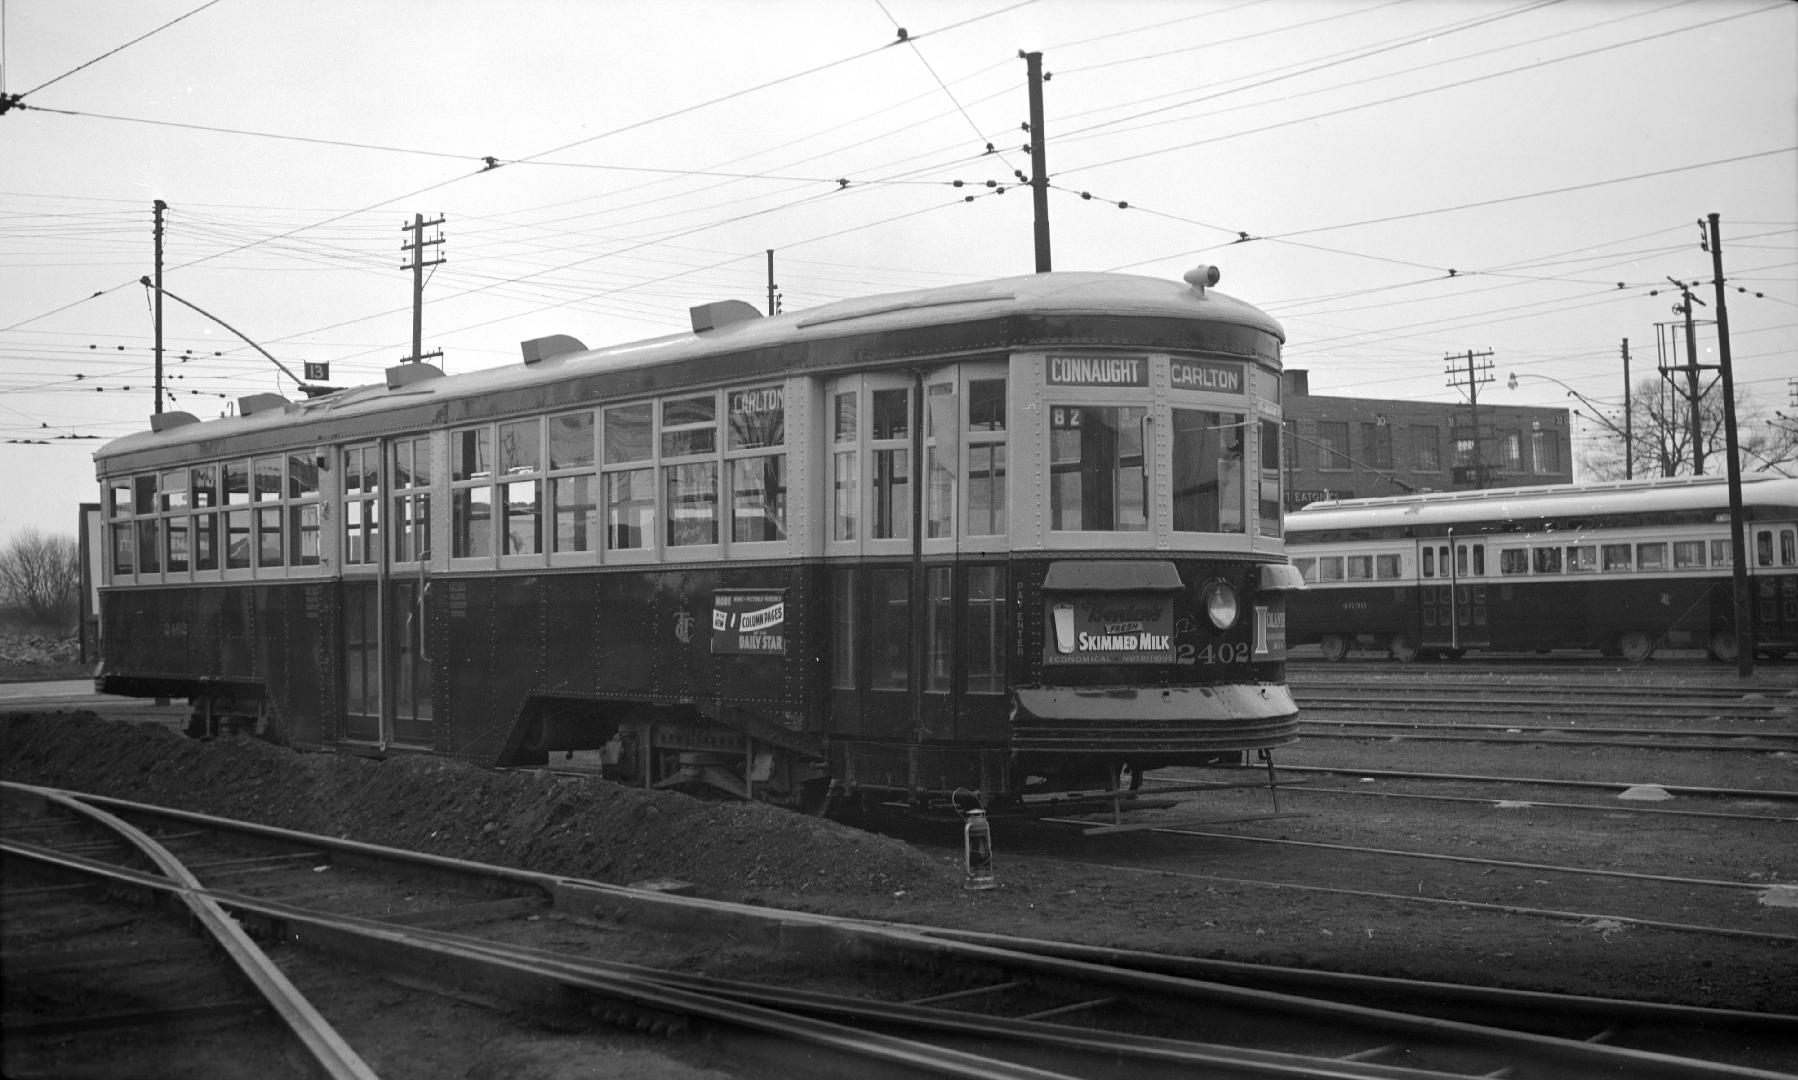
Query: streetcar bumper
(1152, 725)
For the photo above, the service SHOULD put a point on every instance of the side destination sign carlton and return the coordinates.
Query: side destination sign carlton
(1219, 378)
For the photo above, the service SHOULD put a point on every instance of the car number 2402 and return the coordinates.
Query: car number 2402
(1220, 653)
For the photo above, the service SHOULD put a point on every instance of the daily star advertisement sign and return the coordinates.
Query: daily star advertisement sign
(749, 622)
(1110, 629)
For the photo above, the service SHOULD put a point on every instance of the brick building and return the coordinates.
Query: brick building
(1354, 447)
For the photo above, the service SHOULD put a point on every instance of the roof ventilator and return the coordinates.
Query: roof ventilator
(414, 372)
(537, 350)
(167, 421)
(259, 403)
(723, 313)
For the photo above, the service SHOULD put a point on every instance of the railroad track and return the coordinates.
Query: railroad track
(993, 1006)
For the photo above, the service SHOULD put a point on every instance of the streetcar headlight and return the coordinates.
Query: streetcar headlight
(1220, 604)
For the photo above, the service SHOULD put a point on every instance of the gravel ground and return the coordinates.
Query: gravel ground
(1203, 896)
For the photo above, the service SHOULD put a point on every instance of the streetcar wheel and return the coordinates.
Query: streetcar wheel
(1334, 646)
(1725, 647)
(1635, 646)
(1454, 654)
(1404, 649)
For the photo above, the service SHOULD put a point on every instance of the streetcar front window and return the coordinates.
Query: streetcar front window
(1271, 490)
(1097, 474)
(1207, 469)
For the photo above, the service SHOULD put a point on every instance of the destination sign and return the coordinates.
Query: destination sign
(1098, 371)
(1215, 376)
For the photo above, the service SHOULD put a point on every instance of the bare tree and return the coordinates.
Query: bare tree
(1659, 427)
(41, 576)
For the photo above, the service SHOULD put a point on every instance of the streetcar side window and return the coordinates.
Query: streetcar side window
(303, 511)
(758, 470)
(1360, 567)
(986, 463)
(124, 540)
(149, 529)
(521, 487)
(204, 481)
(889, 448)
(237, 521)
(1788, 547)
(1582, 559)
(1272, 499)
(983, 638)
(1389, 567)
(175, 538)
(1763, 548)
(1616, 556)
(1688, 554)
(1429, 562)
(942, 439)
(846, 492)
(1307, 568)
(471, 492)
(573, 487)
(1721, 555)
(1329, 568)
(939, 628)
(1513, 560)
(1548, 560)
(845, 629)
(690, 487)
(629, 442)
(1651, 556)
(412, 499)
(890, 626)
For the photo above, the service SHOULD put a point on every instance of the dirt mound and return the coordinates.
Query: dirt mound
(581, 827)
(38, 649)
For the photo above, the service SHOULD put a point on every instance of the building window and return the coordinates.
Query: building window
(1510, 451)
(1333, 444)
(1376, 444)
(1426, 448)
(1545, 452)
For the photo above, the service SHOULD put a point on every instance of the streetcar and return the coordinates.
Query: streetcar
(1007, 537)
(1625, 568)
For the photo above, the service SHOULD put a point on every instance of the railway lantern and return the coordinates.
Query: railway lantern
(977, 851)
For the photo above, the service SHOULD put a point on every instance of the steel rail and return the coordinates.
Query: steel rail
(657, 994)
(1536, 705)
(1428, 856)
(1468, 905)
(369, 940)
(577, 898)
(1541, 781)
(326, 1052)
(1494, 740)
(1560, 729)
(1521, 804)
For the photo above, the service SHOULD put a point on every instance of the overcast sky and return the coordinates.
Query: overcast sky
(1416, 179)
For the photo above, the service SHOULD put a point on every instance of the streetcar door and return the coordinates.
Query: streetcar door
(1472, 629)
(1435, 595)
(1773, 566)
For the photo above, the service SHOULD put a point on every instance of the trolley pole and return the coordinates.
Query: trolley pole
(159, 206)
(1039, 159)
(771, 285)
(1738, 545)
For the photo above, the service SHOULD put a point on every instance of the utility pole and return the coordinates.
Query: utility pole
(1039, 159)
(1629, 438)
(1694, 394)
(1738, 545)
(159, 206)
(1474, 377)
(416, 247)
